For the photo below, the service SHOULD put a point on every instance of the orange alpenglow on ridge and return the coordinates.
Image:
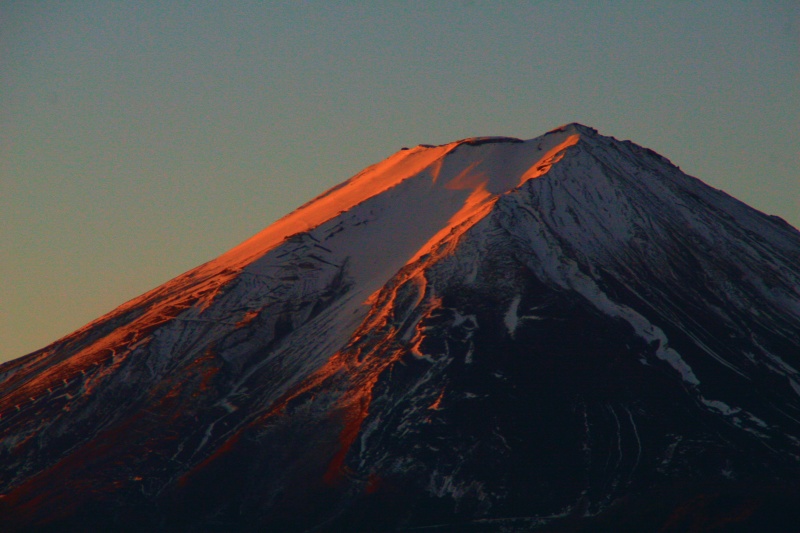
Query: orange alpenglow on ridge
(449, 191)
(403, 165)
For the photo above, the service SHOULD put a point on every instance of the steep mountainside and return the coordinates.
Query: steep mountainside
(564, 333)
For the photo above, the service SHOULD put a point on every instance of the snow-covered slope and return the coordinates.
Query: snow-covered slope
(492, 332)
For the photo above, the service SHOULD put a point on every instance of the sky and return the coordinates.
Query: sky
(141, 139)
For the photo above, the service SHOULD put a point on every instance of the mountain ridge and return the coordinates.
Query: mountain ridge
(370, 367)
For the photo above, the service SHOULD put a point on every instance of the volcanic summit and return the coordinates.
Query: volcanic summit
(565, 333)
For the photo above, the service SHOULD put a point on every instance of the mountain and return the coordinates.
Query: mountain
(563, 334)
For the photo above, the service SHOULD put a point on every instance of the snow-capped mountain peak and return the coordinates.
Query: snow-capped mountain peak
(494, 333)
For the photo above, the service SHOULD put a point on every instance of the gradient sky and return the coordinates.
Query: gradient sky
(140, 139)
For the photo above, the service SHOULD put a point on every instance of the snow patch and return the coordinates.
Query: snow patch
(795, 386)
(720, 407)
(511, 319)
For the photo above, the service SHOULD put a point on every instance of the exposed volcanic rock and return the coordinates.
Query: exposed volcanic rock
(565, 333)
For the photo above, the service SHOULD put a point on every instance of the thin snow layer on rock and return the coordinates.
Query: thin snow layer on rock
(601, 208)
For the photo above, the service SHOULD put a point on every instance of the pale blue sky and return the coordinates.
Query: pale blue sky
(140, 139)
